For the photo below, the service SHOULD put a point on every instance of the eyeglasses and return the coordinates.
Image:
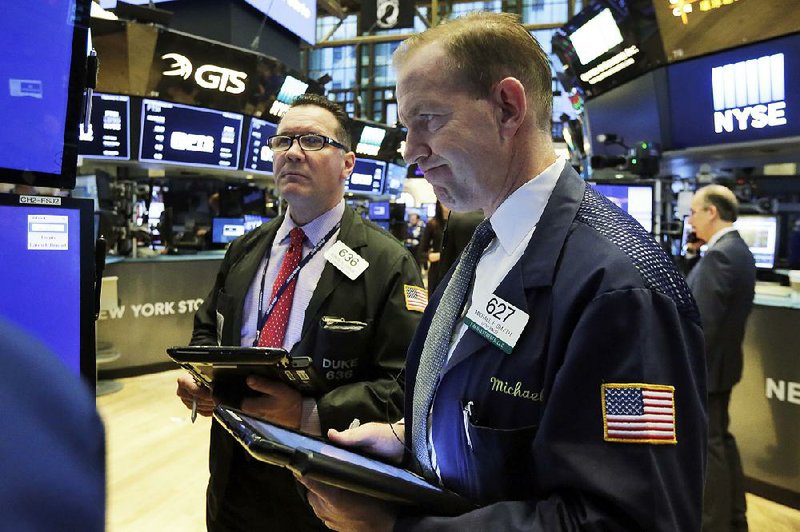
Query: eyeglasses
(308, 142)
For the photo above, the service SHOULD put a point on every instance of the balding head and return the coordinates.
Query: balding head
(723, 199)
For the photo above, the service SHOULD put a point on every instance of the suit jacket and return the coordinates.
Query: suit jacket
(52, 452)
(360, 366)
(523, 433)
(723, 283)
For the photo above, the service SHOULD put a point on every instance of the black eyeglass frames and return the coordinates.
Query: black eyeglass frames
(308, 142)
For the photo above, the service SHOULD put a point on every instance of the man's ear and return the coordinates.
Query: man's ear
(349, 163)
(511, 103)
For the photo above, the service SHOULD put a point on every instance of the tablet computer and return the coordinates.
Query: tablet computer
(329, 463)
(227, 367)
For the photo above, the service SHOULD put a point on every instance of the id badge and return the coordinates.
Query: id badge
(497, 320)
(346, 260)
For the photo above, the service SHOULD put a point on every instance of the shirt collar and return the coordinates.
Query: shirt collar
(316, 229)
(521, 211)
(719, 234)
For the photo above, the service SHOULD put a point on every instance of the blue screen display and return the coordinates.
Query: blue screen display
(40, 253)
(225, 230)
(36, 39)
(750, 93)
(379, 210)
(368, 176)
(258, 157)
(191, 136)
(108, 135)
(636, 200)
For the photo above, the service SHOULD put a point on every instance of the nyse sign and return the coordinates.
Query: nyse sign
(749, 94)
(210, 77)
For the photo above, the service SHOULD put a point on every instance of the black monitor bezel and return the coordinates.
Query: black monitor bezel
(87, 270)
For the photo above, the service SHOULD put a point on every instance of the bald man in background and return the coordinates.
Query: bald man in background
(723, 283)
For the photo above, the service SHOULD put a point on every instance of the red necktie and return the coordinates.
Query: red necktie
(274, 329)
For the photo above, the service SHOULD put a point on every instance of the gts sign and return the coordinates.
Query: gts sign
(210, 77)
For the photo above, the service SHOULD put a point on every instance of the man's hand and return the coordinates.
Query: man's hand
(348, 511)
(279, 402)
(379, 439)
(189, 391)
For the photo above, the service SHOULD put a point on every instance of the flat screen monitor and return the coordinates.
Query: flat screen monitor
(760, 232)
(368, 177)
(379, 210)
(108, 135)
(297, 16)
(43, 68)
(634, 198)
(226, 230)
(608, 43)
(383, 224)
(258, 156)
(47, 253)
(395, 178)
(190, 136)
(751, 93)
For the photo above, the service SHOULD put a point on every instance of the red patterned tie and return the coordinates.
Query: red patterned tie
(274, 329)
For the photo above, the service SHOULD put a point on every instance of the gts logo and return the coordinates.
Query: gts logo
(211, 77)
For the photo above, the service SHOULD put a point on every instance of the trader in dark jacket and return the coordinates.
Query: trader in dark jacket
(356, 325)
(564, 387)
(723, 283)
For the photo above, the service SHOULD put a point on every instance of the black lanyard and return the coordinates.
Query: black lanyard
(262, 318)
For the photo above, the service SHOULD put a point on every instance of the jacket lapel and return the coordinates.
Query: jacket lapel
(536, 267)
(353, 234)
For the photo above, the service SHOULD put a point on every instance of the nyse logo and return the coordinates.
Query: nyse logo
(749, 94)
(211, 77)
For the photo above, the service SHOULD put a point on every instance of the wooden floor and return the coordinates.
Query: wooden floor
(158, 463)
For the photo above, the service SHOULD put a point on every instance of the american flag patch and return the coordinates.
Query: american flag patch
(639, 413)
(416, 297)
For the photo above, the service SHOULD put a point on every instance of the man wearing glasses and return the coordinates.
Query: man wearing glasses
(285, 284)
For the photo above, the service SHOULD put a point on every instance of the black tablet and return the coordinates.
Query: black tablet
(226, 367)
(329, 463)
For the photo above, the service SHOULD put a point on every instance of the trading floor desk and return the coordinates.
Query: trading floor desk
(765, 405)
(158, 297)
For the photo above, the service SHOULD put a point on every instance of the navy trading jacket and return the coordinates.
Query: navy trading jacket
(553, 436)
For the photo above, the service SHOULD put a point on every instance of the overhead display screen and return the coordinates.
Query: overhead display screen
(42, 76)
(608, 43)
(192, 136)
(367, 177)
(108, 134)
(746, 94)
(689, 29)
(297, 16)
(258, 157)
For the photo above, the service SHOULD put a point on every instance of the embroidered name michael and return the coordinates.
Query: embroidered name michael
(514, 390)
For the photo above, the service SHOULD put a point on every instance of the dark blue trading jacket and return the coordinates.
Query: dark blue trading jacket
(606, 307)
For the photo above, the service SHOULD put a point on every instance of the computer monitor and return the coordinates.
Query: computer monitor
(258, 157)
(43, 67)
(226, 230)
(379, 210)
(634, 198)
(47, 252)
(760, 232)
(108, 133)
(189, 136)
(368, 177)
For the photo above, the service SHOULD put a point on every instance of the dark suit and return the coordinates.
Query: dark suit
(606, 305)
(723, 283)
(52, 452)
(358, 365)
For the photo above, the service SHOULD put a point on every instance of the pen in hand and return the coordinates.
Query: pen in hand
(194, 409)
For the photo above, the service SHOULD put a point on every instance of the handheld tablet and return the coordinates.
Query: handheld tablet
(326, 462)
(226, 367)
